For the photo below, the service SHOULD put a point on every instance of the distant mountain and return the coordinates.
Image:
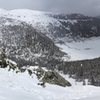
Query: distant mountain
(80, 26)
(58, 26)
(31, 36)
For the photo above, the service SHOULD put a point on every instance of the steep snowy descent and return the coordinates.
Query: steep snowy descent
(21, 86)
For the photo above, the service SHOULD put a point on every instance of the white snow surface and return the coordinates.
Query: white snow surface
(21, 86)
(87, 49)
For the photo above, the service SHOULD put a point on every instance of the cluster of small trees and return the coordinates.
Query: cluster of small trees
(86, 71)
(81, 70)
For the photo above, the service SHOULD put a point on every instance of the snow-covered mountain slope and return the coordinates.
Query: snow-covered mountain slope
(29, 36)
(57, 26)
(25, 44)
(87, 49)
(21, 86)
(60, 28)
(39, 20)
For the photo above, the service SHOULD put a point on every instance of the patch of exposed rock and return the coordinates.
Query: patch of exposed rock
(51, 77)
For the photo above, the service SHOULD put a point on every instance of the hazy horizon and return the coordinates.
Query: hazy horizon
(87, 7)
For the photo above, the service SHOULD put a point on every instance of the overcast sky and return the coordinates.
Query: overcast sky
(88, 7)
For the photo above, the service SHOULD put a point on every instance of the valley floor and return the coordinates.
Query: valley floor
(87, 49)
(21, 86)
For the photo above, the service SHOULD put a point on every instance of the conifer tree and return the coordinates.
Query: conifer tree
(3, 58)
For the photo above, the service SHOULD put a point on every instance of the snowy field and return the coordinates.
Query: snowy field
(22, 87)
(87, 49)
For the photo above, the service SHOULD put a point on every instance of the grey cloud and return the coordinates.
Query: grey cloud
(88, 7)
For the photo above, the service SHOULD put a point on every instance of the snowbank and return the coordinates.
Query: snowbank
(22, 87)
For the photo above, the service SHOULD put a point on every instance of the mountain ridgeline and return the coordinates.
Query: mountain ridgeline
(78, 26)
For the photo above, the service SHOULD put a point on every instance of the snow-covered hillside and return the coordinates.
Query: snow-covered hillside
(30, 36)
(39, 20)
(87, 49)
(21, 86)
(53, 25)
(61, 28)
